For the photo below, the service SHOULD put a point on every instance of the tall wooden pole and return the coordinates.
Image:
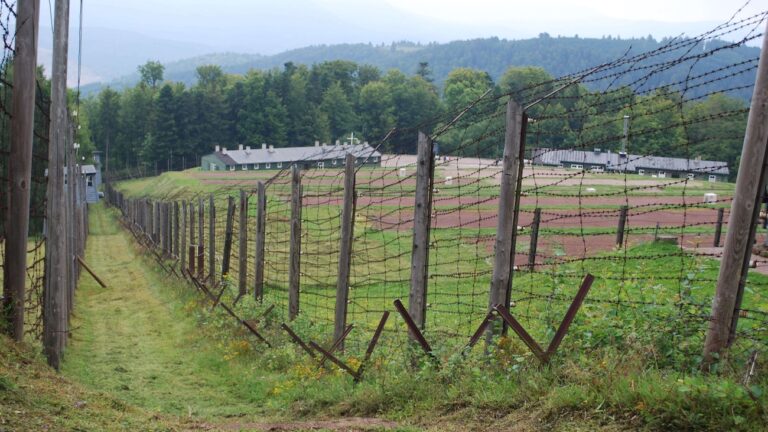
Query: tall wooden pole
(54, 301)
(211, 240)
(294, 272)
(504, 256)
(20, 161)
(749, 189)
(345, 250)
(261, 220)
(422, 215)
(242, 243)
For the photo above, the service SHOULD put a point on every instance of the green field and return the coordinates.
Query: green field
(646, 313)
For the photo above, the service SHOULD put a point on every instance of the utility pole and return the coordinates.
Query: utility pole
(56, 259)
(750, 185)
(20, 158)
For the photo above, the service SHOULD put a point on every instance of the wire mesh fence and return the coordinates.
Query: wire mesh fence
(35, 272)
(609, 183)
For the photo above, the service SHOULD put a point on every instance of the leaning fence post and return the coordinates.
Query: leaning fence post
(620, 228)
(506, 231)
(345, 250)
(719, 227)
(261, 218)
(228, 237)
(534, 239)
(242, 240)
(750, 187)
(294, 273)
(422, 215)
(211, 241)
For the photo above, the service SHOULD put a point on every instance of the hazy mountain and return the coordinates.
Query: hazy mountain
(108, 53)
(558, 55)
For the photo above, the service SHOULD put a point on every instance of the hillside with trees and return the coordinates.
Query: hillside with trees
(555, 54)
(161, 124)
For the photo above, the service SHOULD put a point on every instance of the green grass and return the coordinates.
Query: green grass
(150, 340)
(35, 398)
(629, 361)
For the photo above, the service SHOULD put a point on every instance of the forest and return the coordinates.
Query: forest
(164, 125)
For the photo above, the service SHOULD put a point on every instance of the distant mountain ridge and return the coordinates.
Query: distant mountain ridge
(558, 55)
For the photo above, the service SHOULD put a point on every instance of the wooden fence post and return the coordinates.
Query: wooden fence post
(162, 226)
(718, 227)
(294, 272)
(242, 241)
(200, 239)
(620, 228)
(230, 221)
(506, 231)
(534, 239)
(345, 250)
(183, 234)
(211, 240)
(169, 228)
(750, 186)
(176, 229)
(20, 163)
(422, 217)
(261, 219)
(192, 240)
(54, 301)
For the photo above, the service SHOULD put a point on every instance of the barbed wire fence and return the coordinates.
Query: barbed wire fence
(35, 271)
(43, 317)
(550, 232)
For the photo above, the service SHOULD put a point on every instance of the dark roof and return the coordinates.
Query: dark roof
(616, 162)
(295, 154)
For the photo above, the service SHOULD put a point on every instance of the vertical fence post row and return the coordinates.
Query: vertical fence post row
(242, 241)
(261, 219)
(294, 272)
(422, 215)
(228, 237)
(718, 227)
(506, 232)
(345, 250)
(534, 242)
(183, 234)
(620, 228)
(211, 240)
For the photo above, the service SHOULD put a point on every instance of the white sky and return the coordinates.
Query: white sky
(672, 11)
(270, 26)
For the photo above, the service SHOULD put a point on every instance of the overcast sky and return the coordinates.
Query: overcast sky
(271, 26)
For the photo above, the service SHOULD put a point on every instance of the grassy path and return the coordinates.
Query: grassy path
(133, 340)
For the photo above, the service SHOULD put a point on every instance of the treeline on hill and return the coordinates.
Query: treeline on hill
(164, 125)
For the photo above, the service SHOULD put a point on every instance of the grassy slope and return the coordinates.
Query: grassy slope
(33, 397)
(133, 340)
(139, 341)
